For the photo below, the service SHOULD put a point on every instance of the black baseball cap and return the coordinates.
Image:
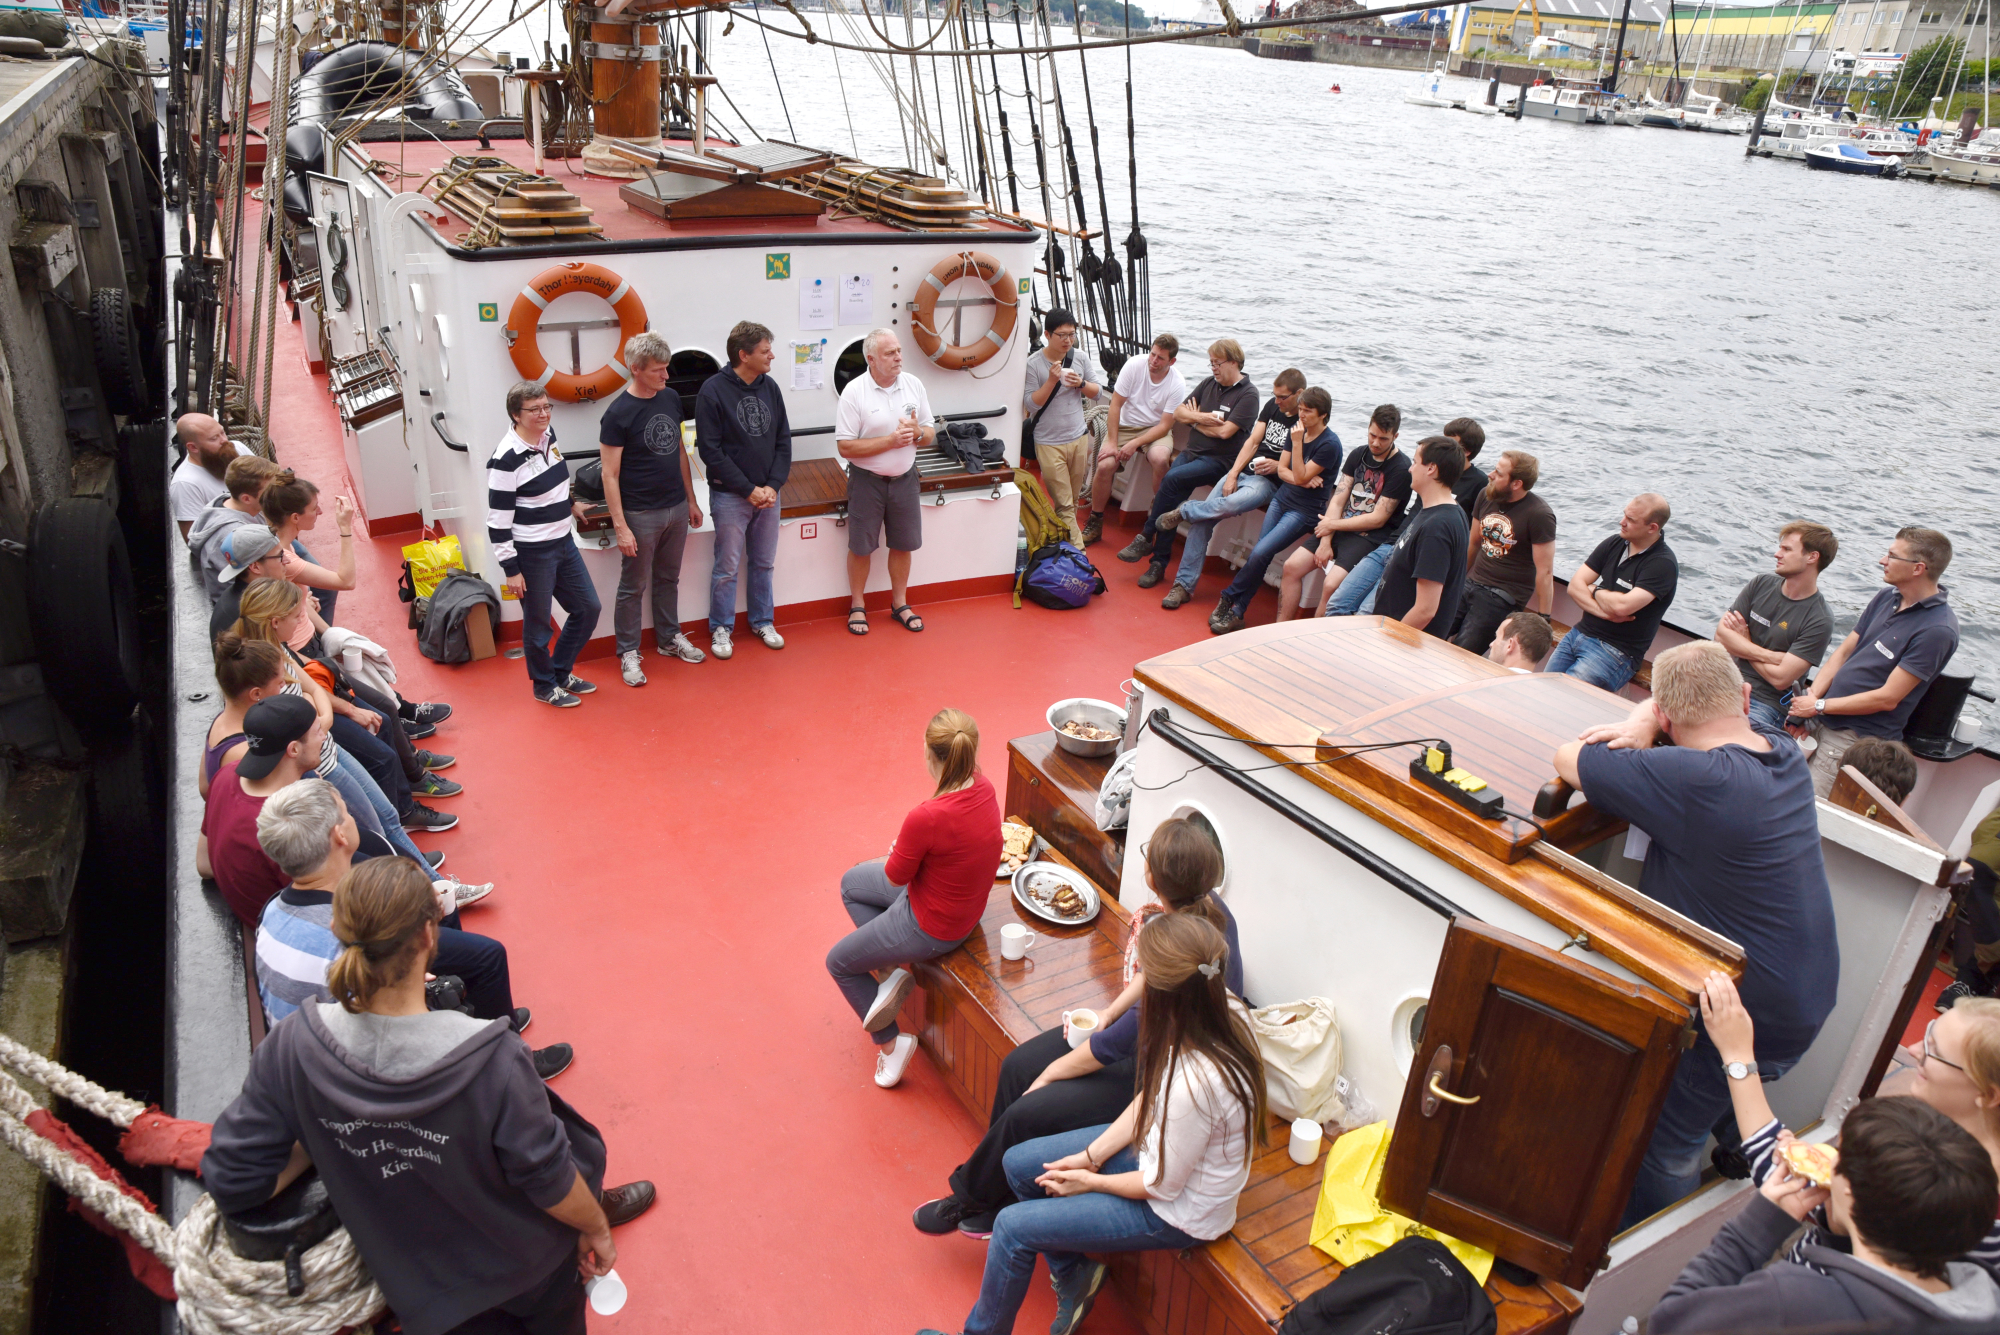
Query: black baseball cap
(270, 726)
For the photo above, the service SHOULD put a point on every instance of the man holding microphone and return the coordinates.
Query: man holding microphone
(883, 418)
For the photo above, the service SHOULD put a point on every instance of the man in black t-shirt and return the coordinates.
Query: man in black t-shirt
(1623, 589)
(1471, 438)
(1250, 483)
(1363, 517)
(650, 489)
(1426, 574)
(1513, 553)
(1218, 413)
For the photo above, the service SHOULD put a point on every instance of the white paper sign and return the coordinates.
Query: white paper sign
(809, 365)
(857, 298)
(815, 303)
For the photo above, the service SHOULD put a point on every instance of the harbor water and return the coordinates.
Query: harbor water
(1641, 309)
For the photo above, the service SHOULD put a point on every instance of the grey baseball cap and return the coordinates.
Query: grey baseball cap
(243, 545)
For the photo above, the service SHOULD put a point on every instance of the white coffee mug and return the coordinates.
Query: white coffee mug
(606, 1293)
(1079, 1025)
(1305, 1140)
(1014, 941)
(1968, 729)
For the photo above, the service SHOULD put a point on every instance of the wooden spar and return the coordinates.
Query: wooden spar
(625, 91)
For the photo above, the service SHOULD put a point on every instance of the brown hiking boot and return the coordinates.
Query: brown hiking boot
(1177, 595)
(1169, 521)
(1154, 574)
(1223, 623)
(1093, 529)
(1137, 550)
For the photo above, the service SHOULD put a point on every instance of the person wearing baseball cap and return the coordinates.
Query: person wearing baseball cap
(284, 738)
(248, 551)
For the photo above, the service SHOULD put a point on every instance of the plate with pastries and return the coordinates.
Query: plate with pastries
(1055, 893)
(1019, 845)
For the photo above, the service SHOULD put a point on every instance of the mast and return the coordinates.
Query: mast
(1618, 49)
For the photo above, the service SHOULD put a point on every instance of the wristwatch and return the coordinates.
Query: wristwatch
(1739, 1070)
(1819, 704)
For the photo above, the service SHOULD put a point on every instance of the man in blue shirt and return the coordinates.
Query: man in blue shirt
(1904, 638)
(1735, 846)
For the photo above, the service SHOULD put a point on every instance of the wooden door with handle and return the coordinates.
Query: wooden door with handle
(1530, 1101)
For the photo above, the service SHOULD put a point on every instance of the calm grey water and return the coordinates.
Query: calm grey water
(1641, 309)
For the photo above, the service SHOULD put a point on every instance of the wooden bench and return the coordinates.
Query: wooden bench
(977, 1007)
(1056, 792)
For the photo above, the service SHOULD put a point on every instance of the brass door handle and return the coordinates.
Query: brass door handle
(1447, 1095)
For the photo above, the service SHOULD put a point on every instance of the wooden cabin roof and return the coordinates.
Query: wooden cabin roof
(1315, 688)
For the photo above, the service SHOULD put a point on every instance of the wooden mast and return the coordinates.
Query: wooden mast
(625, 55)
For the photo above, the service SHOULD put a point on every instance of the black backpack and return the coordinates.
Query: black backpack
(1416, 1287)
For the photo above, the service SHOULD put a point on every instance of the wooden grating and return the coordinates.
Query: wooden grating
(502, 204)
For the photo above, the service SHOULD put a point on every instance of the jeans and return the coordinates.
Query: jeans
(376, 755)
(1018, 1116)
(555, 572)
(1771, 716)
(661, 536)
(741, 526)
(480, 963)
(1697, 1099)
(1253, 492)
(885, 936)
(1480, 613)
(1356, 594)
(1063, 1228)
(1282, 528)
(393, 732)
(370, 807)
(1592, 660)
(1192, 473)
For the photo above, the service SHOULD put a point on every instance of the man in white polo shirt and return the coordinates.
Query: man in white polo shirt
(1142, 418)
(884, 417)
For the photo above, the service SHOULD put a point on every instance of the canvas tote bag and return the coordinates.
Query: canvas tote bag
(1300, 1044)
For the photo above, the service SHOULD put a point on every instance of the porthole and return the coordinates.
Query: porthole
(1406, 1028)
(687, 370)
(851, 363)
(1204, 819)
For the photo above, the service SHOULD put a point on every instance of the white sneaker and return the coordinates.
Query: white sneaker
(769, 635)
(718, 643)
(682, 647)
(889, 999)
(464, 894)
(628, 667)
(890, 1065)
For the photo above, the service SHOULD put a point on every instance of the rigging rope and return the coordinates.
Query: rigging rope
(779, 83)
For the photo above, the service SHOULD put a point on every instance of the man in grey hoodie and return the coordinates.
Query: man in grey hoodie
(1912, 1193)
(245, 478)
(468, 1186)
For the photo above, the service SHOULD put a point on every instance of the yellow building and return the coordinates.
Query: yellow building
(1747, 37)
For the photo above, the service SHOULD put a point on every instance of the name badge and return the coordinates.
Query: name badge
(1884, 650)
(1760, 620)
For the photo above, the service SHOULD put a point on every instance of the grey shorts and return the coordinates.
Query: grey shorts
(875, 503)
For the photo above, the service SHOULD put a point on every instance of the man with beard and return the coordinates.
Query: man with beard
(1513, 553)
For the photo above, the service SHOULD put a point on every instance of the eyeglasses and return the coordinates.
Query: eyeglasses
(1906, 560)
(533, 409)
(1931, 1052)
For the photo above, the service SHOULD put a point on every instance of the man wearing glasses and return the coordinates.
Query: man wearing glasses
(1218, 415)
(1061, 380)
(1905, 637)
(528, 528)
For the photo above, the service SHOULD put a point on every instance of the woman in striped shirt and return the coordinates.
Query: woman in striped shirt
(1958, 1074)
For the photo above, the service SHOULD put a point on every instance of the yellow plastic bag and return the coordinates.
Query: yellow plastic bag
(1350, 1224)
(429, 562)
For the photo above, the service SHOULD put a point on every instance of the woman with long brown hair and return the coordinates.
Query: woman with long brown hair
(1045, 1086)
(1167, 1172)
(926, 896)
(469, 1187)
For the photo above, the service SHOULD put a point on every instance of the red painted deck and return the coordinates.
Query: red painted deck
(668, 861)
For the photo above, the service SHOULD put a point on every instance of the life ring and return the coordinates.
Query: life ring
(923, 327)
(526, 316)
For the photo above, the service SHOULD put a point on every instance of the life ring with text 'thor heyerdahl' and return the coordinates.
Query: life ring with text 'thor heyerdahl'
(526, 316)
(923, 319)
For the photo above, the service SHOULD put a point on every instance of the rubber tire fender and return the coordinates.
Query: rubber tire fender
(121, 365)
(145, 463)
(81, 608)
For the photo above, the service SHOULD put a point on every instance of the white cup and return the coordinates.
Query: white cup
(1079, 1025)
(1968, 728)
(1305, 1141)
(1014, 941)
(606, 1293)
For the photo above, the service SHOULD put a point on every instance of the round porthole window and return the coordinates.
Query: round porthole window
(851, 363)
(1203, 821)
(1406, 1028)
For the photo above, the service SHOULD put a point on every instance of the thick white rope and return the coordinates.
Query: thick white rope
(128, 1215)
(223, 1294)
(106, 1103)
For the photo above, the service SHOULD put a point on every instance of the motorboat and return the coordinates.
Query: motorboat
(1791, 137)
(1850, 157)
(1429, 91)
(1713, 115)
(1976, 163)
(1575, 104)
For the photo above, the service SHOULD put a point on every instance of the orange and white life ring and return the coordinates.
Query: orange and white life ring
(526, 317)
(923, 322)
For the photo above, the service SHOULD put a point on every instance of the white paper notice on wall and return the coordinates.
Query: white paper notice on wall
(809, 365)
(815, 303)
(857, 298)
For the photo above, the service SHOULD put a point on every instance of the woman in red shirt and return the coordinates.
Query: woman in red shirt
(926, 897)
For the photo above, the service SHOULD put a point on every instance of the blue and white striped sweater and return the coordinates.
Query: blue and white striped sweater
(527, 496)
(295, 944)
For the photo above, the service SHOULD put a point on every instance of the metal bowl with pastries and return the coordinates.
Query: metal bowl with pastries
(1101, 713)
(1033, 872)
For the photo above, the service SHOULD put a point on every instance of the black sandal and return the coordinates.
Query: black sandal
(906, 617)
(855, 627)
